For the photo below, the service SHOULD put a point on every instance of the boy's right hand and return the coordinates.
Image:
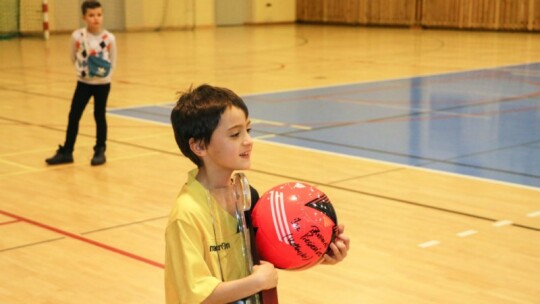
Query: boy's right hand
(266, 274)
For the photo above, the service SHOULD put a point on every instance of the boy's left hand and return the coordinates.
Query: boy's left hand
(339, 248)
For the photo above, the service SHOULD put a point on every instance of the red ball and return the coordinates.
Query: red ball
(294, 224)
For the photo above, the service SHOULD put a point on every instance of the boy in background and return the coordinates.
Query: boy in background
(93, 51)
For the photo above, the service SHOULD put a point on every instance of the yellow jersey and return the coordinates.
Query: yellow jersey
(203, 245)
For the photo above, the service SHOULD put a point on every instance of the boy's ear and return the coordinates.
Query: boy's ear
(197, 146)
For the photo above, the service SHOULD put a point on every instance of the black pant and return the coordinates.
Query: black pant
(82, 95)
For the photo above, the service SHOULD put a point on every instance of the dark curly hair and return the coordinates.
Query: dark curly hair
(197, 113)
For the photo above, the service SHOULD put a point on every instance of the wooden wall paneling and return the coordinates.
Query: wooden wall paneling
(484, 14)
(465, 13)
(438, 13)
(400, 12)
(363, 11)
(342, 11)
(391, 12)
(461, 14)
(514, 15)
(310, 10)
(534, 15)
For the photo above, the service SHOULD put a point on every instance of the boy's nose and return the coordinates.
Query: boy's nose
(248, 140)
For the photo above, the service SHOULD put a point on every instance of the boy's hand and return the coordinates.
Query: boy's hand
(266, 274)
(339, 248)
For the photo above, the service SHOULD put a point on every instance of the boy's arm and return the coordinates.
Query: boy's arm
(264, 277)
(73, 48)
(112, 52)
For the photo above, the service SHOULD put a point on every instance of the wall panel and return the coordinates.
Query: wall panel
(482, 14)
(389, 12)
(520, 15)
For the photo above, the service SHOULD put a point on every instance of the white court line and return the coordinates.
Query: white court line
(534, 214)
(268, 122)
(265, 136)
(301, 127)
(279, 123)
(502, 223)
(429, 244)
(466, 233)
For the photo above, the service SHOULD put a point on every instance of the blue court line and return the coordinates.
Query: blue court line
(482, 123)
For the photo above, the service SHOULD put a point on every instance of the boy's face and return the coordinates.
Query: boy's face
(93, 19)
(230, 145)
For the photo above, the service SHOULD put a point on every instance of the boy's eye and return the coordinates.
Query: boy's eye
(235, 134)
(249, 130)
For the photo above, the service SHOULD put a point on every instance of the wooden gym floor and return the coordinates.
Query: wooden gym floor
(82, 234)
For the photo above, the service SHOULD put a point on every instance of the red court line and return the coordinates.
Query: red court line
(83, 239)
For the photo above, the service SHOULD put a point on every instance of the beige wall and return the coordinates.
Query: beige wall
(272, 11)
(138, 15)
(153, 14)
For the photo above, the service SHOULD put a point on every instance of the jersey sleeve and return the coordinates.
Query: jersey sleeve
(187, 277)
